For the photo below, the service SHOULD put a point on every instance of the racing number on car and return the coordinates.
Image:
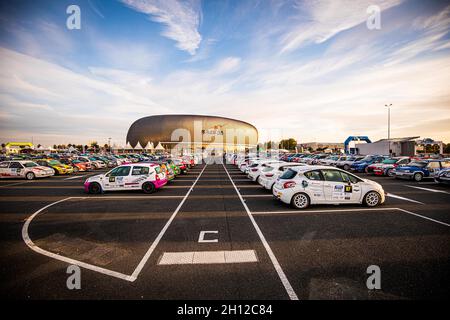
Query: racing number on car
(348, 189)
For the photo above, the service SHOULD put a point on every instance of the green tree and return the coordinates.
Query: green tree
(447, 148)
(288, 144)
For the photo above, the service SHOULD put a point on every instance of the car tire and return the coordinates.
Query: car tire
(148, 187)
(30, 176)
(390, 173)
(372, 199)
(418, 176)
(259, 180)
(300, 200)
(95, 188)
(346, 167)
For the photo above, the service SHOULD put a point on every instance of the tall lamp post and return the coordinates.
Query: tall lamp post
(389, 126)
(109, 144)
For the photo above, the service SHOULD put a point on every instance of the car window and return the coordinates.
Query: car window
(120, 172)
(445, 164)
(4, 165)
(30, 164)
(349, 178)
(332, 175)
(313, 175)
(137, 171)
(434, 165)
(15, 165)
(288, 174)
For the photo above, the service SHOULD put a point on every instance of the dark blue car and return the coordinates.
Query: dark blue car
(417, 170)
(363, 164)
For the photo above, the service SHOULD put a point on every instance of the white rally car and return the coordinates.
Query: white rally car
(272, 172)
(147, 177)
(302, 186)
(24, 169)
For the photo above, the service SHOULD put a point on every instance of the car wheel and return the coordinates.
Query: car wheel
(300, 201)
(390, 173)
(258, 180)
(148, 187)
(346, 167)
(95, 188)
(30, 176)
(418, 176)
(372, 199)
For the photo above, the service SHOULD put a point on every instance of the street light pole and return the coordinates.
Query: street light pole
(109, 144)
(389, 127)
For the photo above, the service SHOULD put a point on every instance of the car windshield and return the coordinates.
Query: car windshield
(367, 158)
(54, 163)
(417, 164)
(288, 174)
(390, 161)
(30, 164)
(267, 169)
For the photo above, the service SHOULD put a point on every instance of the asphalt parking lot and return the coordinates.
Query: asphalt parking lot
(214, 234)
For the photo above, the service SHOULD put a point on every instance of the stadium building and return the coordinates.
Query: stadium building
(194, 133)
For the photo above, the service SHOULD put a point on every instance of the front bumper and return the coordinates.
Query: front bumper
(404, 175)
(444, 180)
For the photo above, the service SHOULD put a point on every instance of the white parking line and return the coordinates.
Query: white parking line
(208, 257)
(75, 177)
(14, 184)
(403, 198)
(350, 210)
(37, 249)
(320, 211)
(164, 229)
(284, 280)
(428, 189)
(133, 276)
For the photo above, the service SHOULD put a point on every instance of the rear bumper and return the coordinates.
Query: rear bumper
(160, 183)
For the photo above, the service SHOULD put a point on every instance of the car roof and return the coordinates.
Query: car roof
(309, 168)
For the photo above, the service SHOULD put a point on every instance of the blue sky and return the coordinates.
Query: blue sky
(305, 69)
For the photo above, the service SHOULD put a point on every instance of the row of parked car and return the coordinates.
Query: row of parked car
(415, 168)
(147, 175)
(303, 182)
(39, 166)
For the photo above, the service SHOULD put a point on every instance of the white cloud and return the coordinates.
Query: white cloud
(182, 19)
(321, 20)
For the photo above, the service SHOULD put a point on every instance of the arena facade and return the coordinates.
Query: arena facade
(193, 133)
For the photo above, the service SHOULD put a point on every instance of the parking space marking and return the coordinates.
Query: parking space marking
(350, 210)
(428, 189)
(284, 280)
(208, 257)
(85, 265)
(26, 238)
(403, 198)
(164, 229)
(320, 211)
(75, 177)
(14, 184)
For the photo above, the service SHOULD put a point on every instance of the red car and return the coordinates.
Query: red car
(385, 168)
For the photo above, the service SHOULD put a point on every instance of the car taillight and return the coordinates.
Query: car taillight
(157, 177)
(289, 184)
(269, 175)
(254, 170)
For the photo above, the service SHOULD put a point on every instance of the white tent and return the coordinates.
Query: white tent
(151, 146)
(147, 146)
(138, 146)
(128, 146)
(159, 147)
